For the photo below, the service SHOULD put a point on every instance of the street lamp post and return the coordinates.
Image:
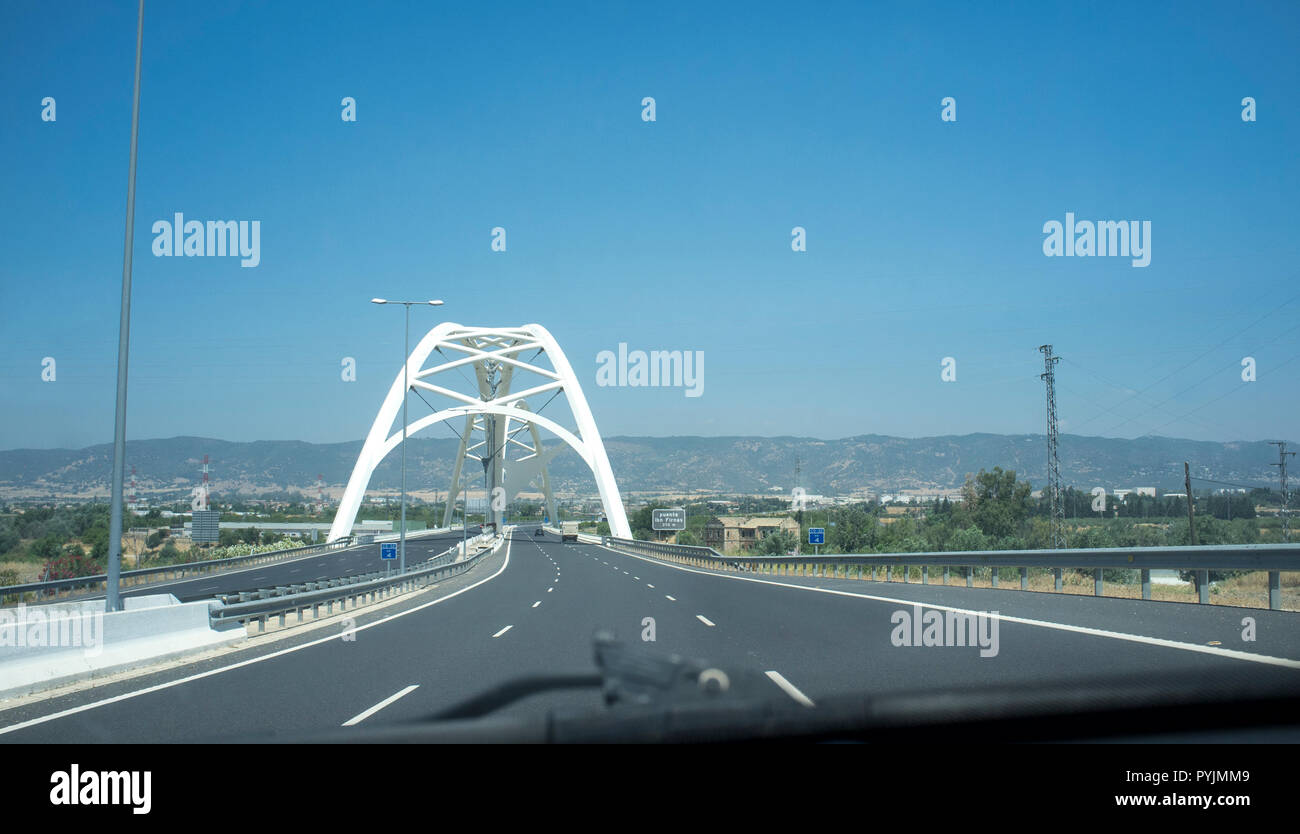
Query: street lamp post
(112, 596)
(406, 387)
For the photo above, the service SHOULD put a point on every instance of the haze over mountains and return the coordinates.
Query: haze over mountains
(730, 465)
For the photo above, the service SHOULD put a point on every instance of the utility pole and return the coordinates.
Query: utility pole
(1286, 500)
(1053, 461)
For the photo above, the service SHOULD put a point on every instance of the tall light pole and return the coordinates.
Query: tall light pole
(406, 387)
(113, 601)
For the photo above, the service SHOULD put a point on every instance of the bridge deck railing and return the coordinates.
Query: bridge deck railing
(347, 592)
(1273, 558)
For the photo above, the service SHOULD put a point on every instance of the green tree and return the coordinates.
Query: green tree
(170, 552)
(9, 538)
(998, 503)
(854, 531)
(46, 547)
(968, 538)
(777, 544)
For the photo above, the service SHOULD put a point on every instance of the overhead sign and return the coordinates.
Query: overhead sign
(816, 535)
(388, 550)
(668, 519)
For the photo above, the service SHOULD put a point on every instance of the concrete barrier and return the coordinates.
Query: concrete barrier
(44, 646)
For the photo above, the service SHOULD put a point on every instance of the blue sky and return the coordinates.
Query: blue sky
(924, 238)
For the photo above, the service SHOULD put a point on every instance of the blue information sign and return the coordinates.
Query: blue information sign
(388, 550)
(816, 535)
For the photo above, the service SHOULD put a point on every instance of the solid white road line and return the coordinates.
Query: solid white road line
(703, 619)
(789, 688)
(1233, 654)
(127, 695)
(357, 719)
(503, 631)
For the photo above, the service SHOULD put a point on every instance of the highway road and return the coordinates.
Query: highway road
(534, 606)
(330, 565)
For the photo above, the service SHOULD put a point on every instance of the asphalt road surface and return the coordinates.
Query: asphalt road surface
(534, 606)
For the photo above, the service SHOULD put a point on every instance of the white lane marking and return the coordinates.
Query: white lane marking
(1233, 654)
(637, 578)
(503, 631)
(127, 695)
(357, 719)
(674, 599)
(535, 604)
(789, 688)
(702, 619)
(648, 585)
(552, 588)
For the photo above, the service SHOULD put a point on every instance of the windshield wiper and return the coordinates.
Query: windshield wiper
(625, 677)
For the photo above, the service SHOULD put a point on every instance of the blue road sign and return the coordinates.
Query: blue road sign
(816, 535)
(388, 550)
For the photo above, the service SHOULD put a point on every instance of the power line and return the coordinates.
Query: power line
(1216, 399)
(1244, 486)
(1200, 357)
(1124, 388)
(1197, 384)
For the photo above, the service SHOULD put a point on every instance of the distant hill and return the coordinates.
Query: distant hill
(714, 464)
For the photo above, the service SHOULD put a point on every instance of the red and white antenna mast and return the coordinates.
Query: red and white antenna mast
(132, 501)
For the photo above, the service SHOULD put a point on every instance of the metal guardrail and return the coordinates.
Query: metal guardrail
(282, 600)
(87, 585)
(1273, 558)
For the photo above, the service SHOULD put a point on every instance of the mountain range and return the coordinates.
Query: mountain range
(722, 465)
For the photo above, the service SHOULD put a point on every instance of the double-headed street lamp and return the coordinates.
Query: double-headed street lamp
(406, 387)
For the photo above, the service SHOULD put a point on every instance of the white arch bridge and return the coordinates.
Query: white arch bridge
(495, 355)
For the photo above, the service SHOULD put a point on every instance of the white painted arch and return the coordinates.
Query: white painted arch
(479, 345)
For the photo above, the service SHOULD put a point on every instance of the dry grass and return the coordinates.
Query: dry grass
(27, 571)
(1246, 591)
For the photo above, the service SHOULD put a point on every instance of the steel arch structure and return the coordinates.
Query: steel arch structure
(494, 354)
